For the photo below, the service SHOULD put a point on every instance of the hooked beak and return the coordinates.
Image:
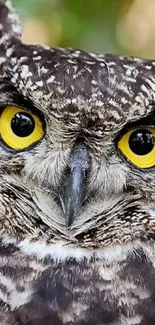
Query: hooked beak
(75, 183)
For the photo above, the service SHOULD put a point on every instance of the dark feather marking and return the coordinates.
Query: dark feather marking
(15, 272)
(36, 314)
(7, 250)
(142, 273)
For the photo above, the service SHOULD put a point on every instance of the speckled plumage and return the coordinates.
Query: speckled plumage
(101, 269)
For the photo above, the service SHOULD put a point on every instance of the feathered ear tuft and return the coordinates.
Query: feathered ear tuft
(10, 29)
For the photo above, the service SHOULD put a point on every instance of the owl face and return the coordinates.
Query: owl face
(77, 152)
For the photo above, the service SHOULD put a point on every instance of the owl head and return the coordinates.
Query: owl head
(77, 143)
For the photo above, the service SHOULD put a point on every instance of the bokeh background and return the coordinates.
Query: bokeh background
(109, 26)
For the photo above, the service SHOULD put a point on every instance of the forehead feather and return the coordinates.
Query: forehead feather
(69, 82)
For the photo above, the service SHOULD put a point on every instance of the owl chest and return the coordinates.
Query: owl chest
(87, 292)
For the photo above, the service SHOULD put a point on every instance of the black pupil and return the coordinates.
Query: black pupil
(141, 141)
(22, 124)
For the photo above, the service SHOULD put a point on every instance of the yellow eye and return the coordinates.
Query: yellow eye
(138, 146)
(19, 128)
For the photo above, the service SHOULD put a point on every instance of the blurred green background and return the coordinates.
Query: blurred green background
(109, 26)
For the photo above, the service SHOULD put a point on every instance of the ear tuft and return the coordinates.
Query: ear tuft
(10, 32)
(10, 29)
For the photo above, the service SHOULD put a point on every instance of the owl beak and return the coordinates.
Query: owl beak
(75, 183)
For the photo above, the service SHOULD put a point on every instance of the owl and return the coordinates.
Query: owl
(77, 185)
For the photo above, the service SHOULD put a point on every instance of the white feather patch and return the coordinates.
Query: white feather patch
(62, 251)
